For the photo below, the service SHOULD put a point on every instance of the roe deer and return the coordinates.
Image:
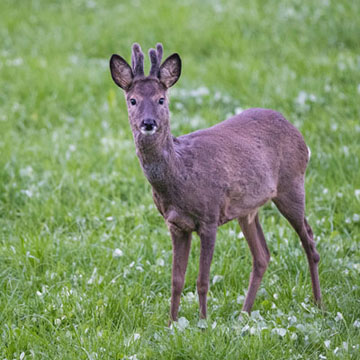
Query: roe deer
(206, 178)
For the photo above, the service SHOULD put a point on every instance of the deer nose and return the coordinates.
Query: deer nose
(148, 124)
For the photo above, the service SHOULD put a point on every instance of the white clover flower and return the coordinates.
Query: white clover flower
(202, 324)
(182, 324)
(160, 262)
(280, 331)
(117, 253)
(216, 279)
(357, 194)
(339, 316)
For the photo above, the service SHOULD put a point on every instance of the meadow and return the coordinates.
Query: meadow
(85, 258)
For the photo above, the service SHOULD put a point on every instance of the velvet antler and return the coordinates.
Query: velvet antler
(155, 58)
(137, 60)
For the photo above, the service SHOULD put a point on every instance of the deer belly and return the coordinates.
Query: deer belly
(238, 204)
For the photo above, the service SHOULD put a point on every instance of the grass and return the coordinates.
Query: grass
(72, 192)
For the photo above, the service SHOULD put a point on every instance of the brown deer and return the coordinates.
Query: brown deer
(206, 178)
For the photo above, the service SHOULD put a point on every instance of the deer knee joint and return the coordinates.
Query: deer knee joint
(202, 287)
(316, 257)
(260, 266)
(177, 286)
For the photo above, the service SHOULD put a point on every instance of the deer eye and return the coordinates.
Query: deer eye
(161, 101)
(133, 102)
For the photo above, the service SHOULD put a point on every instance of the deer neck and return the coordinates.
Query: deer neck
(158, 160)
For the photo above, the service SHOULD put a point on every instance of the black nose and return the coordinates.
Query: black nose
(148, 124)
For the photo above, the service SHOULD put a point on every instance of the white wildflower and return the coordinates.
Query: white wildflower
(356, 218)
(240, 299)
(357, 194)
(280, 331)
(327, 88)
(312, 97)
(245, 328)
(302, 97)
(160, 262)
(27, 192)
(356, 266)
(339, 316)
(216, 279)
(356, 323)
(327, 343)
(202, 324)
(117, 253)
(182, 324)
(15, 62)
(334, 127)
(28, 171)
(256, 315)
(190, 296)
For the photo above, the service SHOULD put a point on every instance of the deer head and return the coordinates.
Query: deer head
(146, 96)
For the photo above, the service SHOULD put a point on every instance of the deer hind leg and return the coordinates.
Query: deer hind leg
(292, 206)
(260, 253)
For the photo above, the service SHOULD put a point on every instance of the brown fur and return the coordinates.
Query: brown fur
(209, 177)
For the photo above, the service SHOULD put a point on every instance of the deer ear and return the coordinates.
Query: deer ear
(170, 70)
(121, 72)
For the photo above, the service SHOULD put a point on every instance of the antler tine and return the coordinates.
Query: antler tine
(154, 63)
(159, 49)
(137, 60)
(155, 58)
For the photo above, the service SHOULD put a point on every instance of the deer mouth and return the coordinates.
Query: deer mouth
(148, 127)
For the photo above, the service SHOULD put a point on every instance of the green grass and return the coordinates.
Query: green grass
(72, 191)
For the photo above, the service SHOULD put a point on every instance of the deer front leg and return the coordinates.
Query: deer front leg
(181, 247)
(207, 239)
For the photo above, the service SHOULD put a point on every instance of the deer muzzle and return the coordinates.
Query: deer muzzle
(148, 126)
